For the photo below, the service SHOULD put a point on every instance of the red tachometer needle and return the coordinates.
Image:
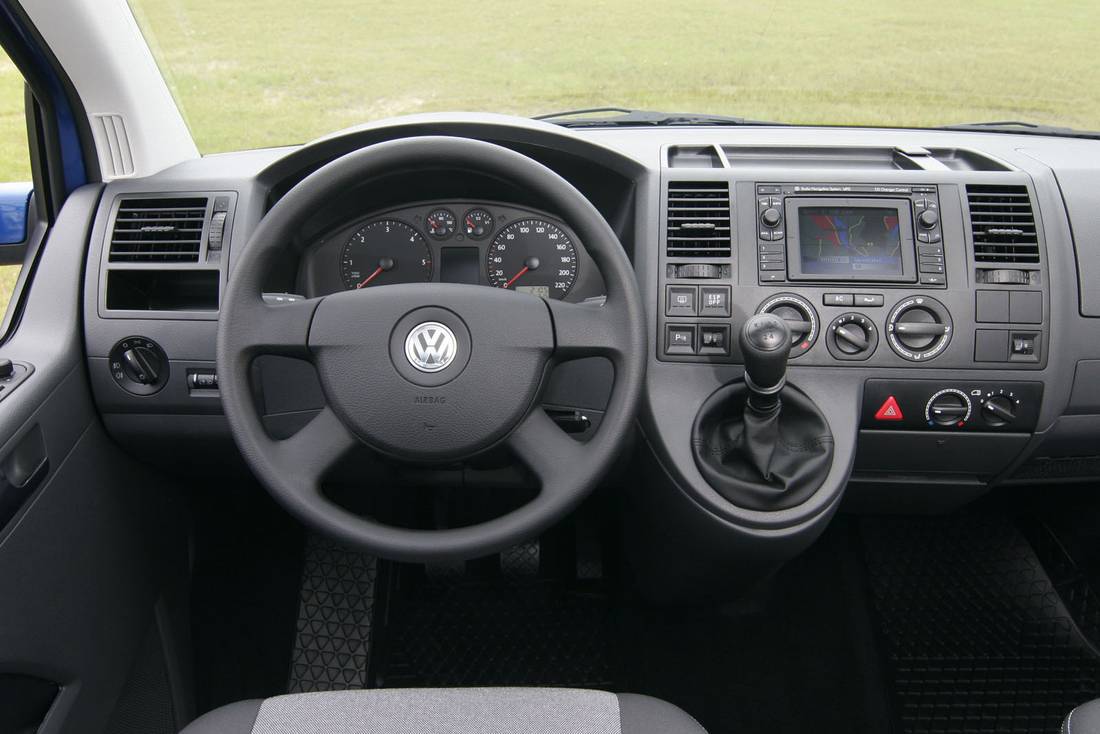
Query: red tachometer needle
(372, 276)
(517, 276)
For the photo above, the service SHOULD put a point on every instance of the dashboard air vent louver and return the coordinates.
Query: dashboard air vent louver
(158, 230)
(698, 219)
(1003, 225)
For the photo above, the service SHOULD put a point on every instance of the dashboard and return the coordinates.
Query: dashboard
(942, 289)
(470, 242)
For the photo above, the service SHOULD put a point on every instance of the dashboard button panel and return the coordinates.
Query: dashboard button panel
(952, 405)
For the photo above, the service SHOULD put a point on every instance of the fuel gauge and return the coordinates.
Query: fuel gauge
(440, 223)
(477, 224)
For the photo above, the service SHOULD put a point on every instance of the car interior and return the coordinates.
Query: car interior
(606, 421)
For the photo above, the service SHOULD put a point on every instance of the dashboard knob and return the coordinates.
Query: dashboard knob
(928, 219)
(142, 365)
(852, 336)
(948, 407)
(999, 410)
(801, 320)
(771, 217)
(138, 365)
(919, 328)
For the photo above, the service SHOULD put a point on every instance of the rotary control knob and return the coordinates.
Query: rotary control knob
(999, 409)
(139, 365)
(950, 407)
(928, 219)
(852, 337)
(801, 320)
(918, 328)
(771, 217)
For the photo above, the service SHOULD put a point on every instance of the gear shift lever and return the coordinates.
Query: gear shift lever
(765, 345)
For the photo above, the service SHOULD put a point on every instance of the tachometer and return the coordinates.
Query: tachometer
(534, 256)
(384, 252)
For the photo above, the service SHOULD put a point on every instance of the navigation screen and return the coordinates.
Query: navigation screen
(853, 241)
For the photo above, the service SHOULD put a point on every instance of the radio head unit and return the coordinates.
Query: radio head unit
(844, 239)
(849, 233)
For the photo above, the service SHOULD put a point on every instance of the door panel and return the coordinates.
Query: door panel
(99, 540)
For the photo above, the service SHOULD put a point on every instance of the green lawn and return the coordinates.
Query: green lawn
(261, 72)
(253, 73)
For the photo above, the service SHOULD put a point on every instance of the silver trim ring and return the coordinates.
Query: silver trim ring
(431, 347)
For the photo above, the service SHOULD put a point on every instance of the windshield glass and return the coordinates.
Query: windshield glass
(256, 73)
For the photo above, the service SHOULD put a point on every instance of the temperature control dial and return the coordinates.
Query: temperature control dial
(852, 337)
(950, 407)
(1000, 408)
(801, 319)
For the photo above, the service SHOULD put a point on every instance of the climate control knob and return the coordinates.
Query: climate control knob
(999, 409)
(919, 328)
(801, 320)
(851, 337)
(950, 407)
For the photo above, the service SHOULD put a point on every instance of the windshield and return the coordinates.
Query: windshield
(257, 73)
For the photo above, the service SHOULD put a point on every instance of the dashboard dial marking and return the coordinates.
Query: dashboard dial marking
(382, 252)
(534, 256)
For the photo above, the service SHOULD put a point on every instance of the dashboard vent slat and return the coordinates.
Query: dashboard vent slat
(698, 221)
(1003, 225)
(158, 230)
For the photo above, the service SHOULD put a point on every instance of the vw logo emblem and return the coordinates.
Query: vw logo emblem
(431, 347)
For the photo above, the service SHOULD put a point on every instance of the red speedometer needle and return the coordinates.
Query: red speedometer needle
(377, 271)
(517, 276)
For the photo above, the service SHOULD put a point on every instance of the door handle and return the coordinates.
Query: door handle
(21, 473)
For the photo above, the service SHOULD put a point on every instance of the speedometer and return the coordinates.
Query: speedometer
(533, 256)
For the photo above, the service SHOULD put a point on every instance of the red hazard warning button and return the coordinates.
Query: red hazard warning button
(890, 411)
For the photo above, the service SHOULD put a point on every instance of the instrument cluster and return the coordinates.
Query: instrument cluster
(478, 243)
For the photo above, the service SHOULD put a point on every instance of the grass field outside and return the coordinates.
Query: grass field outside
(256, 73)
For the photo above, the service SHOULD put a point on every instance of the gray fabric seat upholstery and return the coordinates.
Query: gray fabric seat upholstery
(450, 711)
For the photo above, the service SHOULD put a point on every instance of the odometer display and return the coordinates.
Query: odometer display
(384, 252)
(534, 256)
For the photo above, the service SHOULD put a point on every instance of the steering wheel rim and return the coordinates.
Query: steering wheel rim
(293, 469)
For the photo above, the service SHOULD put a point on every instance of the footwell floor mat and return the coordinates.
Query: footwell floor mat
(975, 633)
(335, 609)
(503, 625)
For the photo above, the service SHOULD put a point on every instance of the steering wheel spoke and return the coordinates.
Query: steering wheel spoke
(311, 453)
(587, 330)
(279, 329)
(546, 450)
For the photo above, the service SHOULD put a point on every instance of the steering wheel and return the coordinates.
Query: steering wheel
(428, 372)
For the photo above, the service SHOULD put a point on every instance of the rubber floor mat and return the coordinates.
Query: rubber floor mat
(335, 613)
(503, 626)
(976, 636)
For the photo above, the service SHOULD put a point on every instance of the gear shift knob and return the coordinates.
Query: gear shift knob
(765, 345)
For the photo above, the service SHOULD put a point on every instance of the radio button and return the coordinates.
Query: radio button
(928, 267)
(772, 277)
(771, 248)
(929, 251)
(778, 235)
(927, 279)
(773, 266)
(923, 237)
(935, 237)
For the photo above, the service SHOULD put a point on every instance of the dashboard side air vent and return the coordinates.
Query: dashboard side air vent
(1003, 225)
(698, 219)
(158, 230)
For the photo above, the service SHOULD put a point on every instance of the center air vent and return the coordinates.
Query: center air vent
(1003, 224)
(158, 230)
(698, 219)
